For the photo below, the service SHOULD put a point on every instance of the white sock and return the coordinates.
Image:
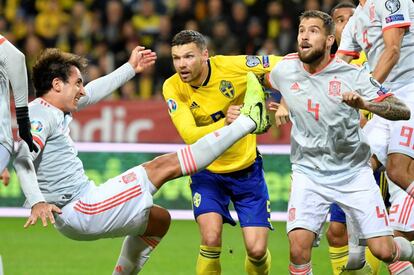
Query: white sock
(303, 269)
(1, 266)
(356, 258)
(401, 268)
(200, 154)
(404, 250)
(134, 254)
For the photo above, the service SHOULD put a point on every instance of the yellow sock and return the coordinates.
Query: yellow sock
(373, 261)
(258, 267)
(208, 261)
(339, 257)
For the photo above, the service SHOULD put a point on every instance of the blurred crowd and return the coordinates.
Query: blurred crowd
(105, 31)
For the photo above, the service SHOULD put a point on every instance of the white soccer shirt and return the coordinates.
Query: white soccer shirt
(364, 32)
(59, 171)
(13, 70)
(326, 141)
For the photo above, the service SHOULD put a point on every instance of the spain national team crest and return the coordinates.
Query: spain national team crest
(128, 178)
(334, 88)
(227, 89)
(197, 199)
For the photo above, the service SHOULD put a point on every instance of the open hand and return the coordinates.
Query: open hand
(44, 211)
(5, 177)
(142, 58)
(281, 113)
(233, 112)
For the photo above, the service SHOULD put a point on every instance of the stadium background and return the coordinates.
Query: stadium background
(105, 32)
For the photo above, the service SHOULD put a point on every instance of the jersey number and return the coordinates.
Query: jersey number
(382, 215)
(407, 133)
(313, 109)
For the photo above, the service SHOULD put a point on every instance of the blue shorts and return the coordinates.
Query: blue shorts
(246, 188)
(337, 215)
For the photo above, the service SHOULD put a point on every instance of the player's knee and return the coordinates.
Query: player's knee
(158, 222)
(299, 254)
(256, 252)
(211, 238)
(336, 236)
(384, 253)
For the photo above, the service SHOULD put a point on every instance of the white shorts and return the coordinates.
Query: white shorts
(360, 198)
(118, 207)
(4, 158)
(401, 212)
(386, 137)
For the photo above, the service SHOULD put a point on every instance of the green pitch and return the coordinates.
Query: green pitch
(44, 251)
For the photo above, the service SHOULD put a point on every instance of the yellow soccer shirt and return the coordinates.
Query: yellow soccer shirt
(197, 111)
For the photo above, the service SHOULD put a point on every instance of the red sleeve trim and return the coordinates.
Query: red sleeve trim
(402, 25)
(382, 97)
(2, 40)
(349, 53)
(38, 142)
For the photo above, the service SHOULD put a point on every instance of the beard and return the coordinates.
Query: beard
(312, 56)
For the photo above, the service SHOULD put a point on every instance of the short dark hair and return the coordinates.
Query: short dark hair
(327, 20)
(343, 5)
(189, 36)
(54, 63)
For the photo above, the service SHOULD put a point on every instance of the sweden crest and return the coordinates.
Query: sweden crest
(227, 89)
(197, 199)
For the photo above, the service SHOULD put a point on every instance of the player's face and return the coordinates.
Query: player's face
(341, 17)
(312, 40)
(190, 62)
(72, 90)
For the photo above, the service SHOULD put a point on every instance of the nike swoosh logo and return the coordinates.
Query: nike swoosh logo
(260, 105)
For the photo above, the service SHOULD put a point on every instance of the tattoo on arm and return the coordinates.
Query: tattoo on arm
(390, 108)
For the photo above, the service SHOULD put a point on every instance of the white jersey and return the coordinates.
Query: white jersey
(364, 31)
(13, 71)
(60, 172)
(326, 141)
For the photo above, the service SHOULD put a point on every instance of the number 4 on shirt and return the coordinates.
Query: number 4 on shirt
(313, 108)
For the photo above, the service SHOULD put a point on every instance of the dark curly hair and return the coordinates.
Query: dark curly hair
(54, 63)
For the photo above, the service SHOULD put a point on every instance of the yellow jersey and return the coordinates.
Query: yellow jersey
(197, 111)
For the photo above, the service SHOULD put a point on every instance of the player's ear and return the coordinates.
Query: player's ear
(205, 54)
(57, 84)
(330, 40)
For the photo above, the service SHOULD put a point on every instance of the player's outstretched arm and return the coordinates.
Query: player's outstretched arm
(15, 66)
(25, 171)
(390, 108)
(96, 90)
